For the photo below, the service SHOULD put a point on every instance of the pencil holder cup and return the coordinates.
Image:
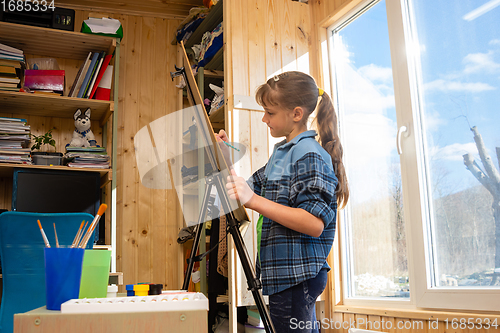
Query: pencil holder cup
(63, 271)
(95, 274)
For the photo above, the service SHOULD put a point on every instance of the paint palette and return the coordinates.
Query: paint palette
(169, 301)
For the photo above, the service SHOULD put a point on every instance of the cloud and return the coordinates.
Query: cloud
(457, 86)
(362, 95)
(376, 73)
(480, 62)
(453, 152)
(433, 121)
(494, 42)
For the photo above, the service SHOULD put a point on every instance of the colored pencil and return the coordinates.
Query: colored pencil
(227, 144)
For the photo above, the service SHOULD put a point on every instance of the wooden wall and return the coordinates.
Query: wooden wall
(148, 220)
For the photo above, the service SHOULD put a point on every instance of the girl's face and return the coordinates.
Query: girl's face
(280, 121)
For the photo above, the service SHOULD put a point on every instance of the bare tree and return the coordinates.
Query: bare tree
(491, 181)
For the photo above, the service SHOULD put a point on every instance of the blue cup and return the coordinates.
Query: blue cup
(63, 272)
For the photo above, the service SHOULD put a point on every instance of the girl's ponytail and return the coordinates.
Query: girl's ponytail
(326, 123)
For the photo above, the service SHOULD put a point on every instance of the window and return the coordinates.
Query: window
(422, 156)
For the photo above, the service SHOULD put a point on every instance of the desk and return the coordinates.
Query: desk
(42, 320)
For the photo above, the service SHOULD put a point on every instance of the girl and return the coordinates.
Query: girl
(296, 193)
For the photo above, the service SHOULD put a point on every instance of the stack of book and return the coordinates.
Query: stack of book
(14, 141)
(11, 65)
(254, 322)
(94, 77)
(87, 157)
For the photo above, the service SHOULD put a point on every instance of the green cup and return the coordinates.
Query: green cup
(95, 274)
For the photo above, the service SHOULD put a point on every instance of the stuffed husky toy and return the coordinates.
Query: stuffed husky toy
(82, 136)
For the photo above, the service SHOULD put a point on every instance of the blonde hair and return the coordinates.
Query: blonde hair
(296, 89)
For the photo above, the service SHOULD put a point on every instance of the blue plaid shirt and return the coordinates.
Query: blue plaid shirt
(299, 174)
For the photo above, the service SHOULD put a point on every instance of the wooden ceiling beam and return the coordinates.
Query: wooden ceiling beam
(176, 9)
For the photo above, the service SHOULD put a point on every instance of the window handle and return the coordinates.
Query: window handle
(401, 130)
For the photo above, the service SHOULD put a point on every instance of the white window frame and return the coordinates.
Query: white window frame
(406, 77)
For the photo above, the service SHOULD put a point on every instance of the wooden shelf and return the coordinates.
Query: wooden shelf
(6, 169)
(53, 42)
(217, 119)
(53, 106)
(209, 23)
(217, 61)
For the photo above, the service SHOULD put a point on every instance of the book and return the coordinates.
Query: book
(95, 74)
(103, 91)
(77, 83)
(104, 66)
(99, 57)
(10, 63)
(12, 120)
(8, 85)
(15, 89)
(85, 82)
(8, 56)
(7, 71)
(15, 80)
(10, 49)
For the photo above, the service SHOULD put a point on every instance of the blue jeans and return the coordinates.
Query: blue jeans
(293, 309)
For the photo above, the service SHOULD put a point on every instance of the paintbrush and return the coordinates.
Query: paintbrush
(46, 241)
(75, 240)
(55, 233)
(92, 226)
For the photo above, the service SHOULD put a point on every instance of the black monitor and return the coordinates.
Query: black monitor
(57, 191)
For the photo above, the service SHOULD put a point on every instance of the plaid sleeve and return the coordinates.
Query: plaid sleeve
(313, 184)
(256, 180)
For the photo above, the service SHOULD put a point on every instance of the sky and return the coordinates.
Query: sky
(459, 44)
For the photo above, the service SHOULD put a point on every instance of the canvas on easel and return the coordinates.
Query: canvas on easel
(240, 212)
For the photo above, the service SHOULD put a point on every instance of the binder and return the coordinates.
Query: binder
(86, 80)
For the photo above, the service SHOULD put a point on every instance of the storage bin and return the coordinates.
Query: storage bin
(45, 158)
(44, 79)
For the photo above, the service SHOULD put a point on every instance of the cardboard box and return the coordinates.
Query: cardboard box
(41, 79)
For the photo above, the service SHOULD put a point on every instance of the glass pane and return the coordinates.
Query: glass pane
(460, 70)
(376, 260)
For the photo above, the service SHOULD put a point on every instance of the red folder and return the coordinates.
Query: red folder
(103, 91)
(105, 64)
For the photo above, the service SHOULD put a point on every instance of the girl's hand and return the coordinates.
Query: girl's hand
(221, 135)
(238, 189)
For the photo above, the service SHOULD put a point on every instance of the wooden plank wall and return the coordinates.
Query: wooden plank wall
(324, 14)
(148, 220)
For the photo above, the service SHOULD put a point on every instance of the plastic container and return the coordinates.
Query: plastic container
(63, 270)
(45, 158)
(141, 289)
(130, 290)
(95, 274)
(155, 289)
(112, 291)
(42, 63)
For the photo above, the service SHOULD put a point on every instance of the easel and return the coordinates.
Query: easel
(211, 149)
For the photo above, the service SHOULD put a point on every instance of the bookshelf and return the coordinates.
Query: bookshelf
(52, 42)
(53, 106)
(212, 72)
(48, 111)
(60, 45)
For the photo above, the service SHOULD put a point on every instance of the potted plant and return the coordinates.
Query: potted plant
(45, 157)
